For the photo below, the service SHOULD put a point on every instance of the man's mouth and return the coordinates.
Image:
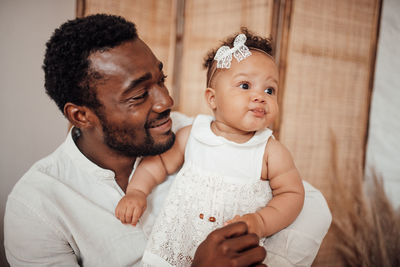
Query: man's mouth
(162, 124)
(161, 127)
(160, 120)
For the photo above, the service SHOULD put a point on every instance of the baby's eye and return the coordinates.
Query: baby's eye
(244, 86)
(270, 91)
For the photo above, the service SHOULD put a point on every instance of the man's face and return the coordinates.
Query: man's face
(134, 116)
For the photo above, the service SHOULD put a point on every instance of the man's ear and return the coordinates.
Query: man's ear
(80, 116)
(210, 98)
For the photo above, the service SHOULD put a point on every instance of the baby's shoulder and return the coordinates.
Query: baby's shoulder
(182, 135)
(184, 131)
(275, 149)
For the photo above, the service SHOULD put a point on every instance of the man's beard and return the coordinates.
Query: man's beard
(122, 139)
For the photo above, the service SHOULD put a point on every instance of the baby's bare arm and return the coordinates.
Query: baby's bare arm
(131, 207)
(150, 172)
(287, 189)
(153, 170)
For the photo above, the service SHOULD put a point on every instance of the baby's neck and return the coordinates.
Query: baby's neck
(230, 133)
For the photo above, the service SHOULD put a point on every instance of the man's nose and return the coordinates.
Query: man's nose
(161, 99)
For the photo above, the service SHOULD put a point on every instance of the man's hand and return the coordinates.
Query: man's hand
(254, 222)
(230, 245)
(131, 207)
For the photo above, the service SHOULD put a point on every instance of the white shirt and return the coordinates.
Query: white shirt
(61, 213)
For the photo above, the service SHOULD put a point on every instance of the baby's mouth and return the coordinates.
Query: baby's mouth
(259, 112)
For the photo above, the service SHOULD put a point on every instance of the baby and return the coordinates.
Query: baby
(233, 168)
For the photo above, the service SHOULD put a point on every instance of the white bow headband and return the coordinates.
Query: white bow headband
(239, 50)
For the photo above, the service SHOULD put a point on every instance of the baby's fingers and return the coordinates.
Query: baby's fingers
(235, 219)
(120, 213)
(128, 214)
(118, 210)
(136, 215)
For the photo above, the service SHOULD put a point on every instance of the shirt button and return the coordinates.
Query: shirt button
(105, 174)
(108, 174)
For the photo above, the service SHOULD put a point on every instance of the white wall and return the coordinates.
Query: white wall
(383, 151)
(31, 125)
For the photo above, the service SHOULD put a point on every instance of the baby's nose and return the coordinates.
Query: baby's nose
(258, 98)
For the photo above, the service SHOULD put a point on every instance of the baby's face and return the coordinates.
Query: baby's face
(246, 94)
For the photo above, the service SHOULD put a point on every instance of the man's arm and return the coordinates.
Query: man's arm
(30, 241)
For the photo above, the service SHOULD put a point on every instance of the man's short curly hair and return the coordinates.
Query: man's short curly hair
(68, 77)
(253, 41)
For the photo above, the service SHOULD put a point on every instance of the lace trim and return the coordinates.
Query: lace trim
(180, 227)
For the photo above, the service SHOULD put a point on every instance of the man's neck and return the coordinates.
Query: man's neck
(100, 154)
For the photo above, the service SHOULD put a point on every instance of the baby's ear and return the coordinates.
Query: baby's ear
(210, 98)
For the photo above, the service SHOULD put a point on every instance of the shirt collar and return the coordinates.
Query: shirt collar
(83, 162)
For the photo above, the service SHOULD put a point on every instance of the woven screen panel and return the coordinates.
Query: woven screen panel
(326, 99)
(327, 96)
(155, 22)
(207, 22)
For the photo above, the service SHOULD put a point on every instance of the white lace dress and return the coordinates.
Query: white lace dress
(219, 179)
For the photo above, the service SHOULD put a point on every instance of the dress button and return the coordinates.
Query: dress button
(201, 216)
(211, 219)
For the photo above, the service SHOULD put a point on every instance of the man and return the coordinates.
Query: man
(110, 87)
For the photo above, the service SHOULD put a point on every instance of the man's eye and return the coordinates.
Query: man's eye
(244, 86)
(162, 80)
(270, 91)
(139, 97)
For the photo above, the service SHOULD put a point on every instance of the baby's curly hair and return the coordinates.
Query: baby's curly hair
(253, 41)
(68, 77)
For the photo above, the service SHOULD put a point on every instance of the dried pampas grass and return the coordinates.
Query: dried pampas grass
(365, 229)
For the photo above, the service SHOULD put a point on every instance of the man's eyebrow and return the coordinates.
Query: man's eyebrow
(147, 76)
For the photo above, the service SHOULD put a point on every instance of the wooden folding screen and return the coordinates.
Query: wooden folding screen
(325, 53)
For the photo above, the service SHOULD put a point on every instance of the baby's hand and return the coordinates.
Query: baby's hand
(253, 220)
(131, 207)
